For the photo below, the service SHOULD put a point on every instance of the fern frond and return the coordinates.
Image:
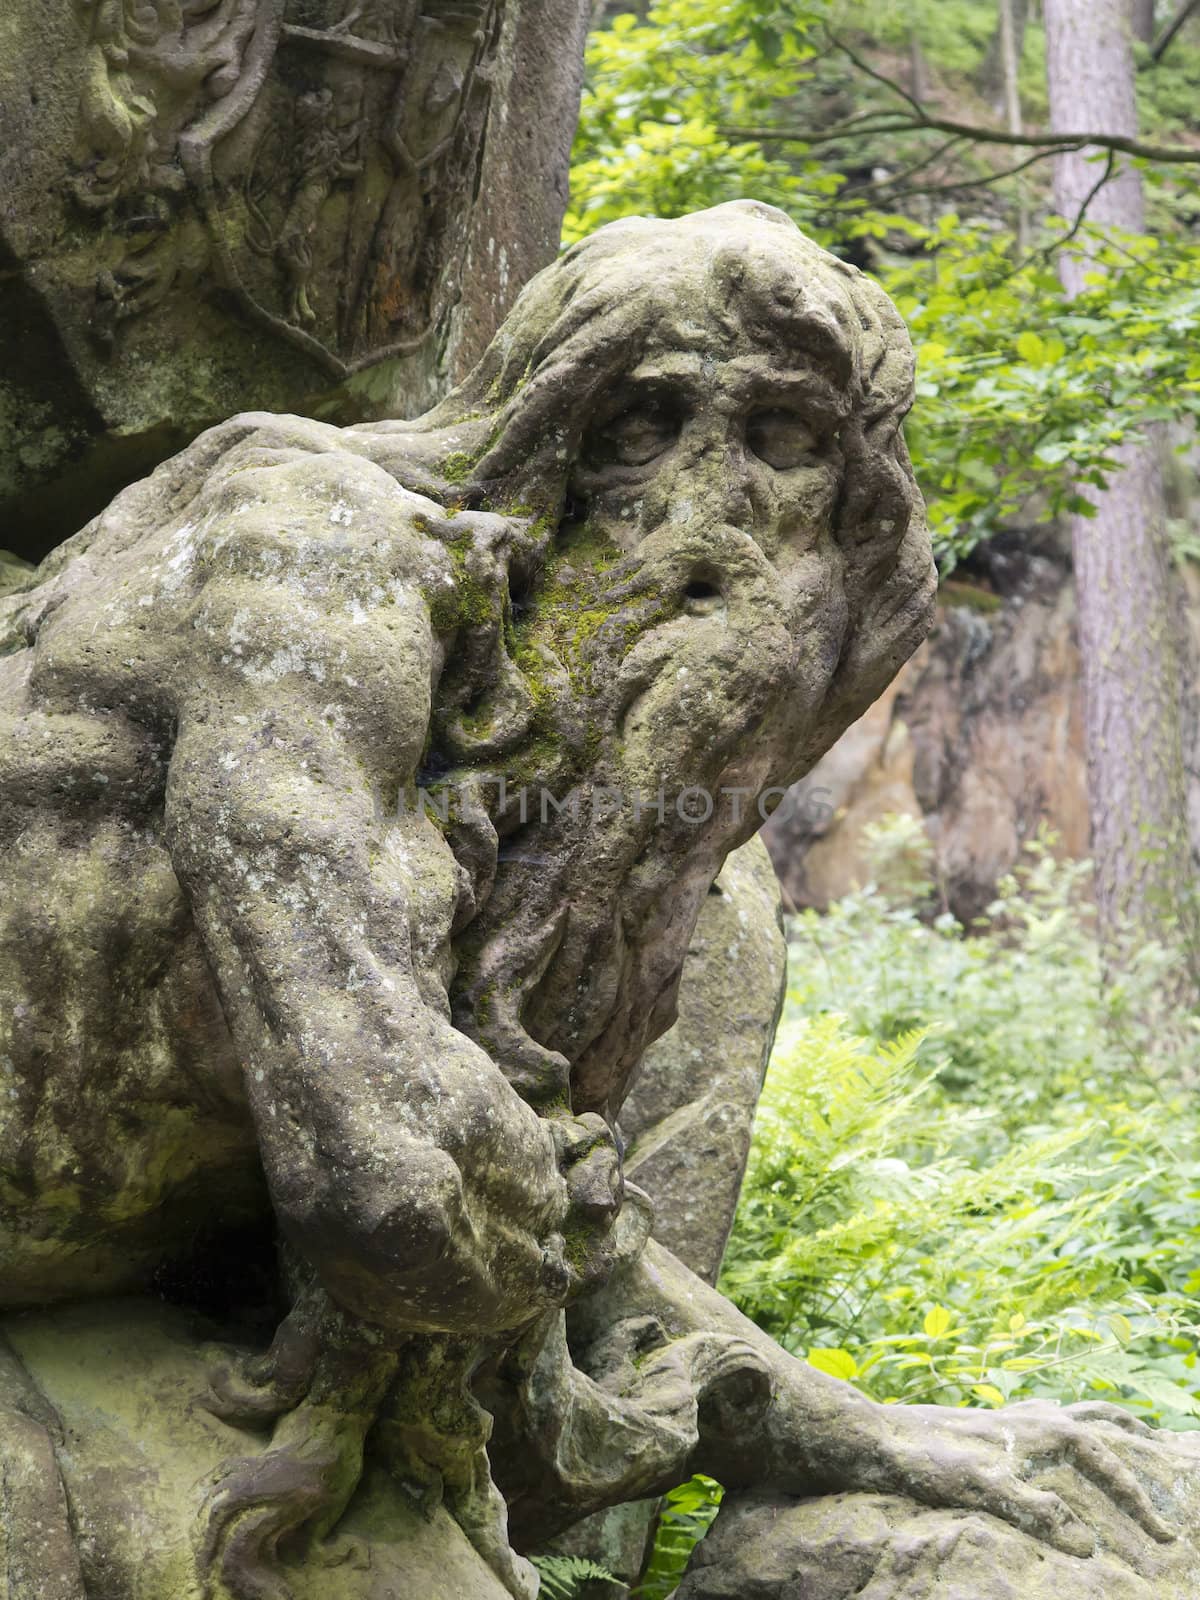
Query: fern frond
(563, 1577)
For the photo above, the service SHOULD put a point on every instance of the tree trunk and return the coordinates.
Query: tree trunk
(918, 77)
(1006, 45)
(1129, 639)
(1010, 62)
(1142, 20)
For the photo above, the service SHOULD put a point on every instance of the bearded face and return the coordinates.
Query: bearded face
(717, 472)
(738, 567)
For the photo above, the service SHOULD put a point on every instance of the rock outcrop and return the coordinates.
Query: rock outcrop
(322, 206)
(980, 737)
(880, 1547)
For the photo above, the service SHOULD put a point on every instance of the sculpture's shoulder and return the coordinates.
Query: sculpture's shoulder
(303, 481)
(269, 514)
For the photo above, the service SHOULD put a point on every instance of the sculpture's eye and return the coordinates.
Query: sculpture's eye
(780, 438)
(635, 436)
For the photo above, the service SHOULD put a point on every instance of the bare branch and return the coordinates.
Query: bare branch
(870, 71)
(919, 120)
(953, 186)
(896, 187)
(1051, 143)
(910, 171)
(1047, 250)
(1163, 43)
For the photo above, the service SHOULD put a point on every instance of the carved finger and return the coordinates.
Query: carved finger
(249, 1391)
(242, 1556)
(1105, 1411)
(1038, 1512)
(263, 1388)
(254, 1504)
(1093, 1459)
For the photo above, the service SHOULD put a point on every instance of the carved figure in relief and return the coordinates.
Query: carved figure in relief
(216, 132)
(321, 161)
(151, 67)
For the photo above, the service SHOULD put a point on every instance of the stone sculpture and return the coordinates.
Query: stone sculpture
(688, 1118)
(209, 203)
(686, 1127)
(361, 789)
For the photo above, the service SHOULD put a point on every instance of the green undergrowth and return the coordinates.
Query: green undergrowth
(686, 1516)
(976, 1168)
(567, 1577)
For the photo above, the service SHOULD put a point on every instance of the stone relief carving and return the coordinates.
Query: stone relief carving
(208, 206)
(293, 962)
(283, 144)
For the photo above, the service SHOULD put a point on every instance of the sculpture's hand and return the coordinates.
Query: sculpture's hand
(821, 1436)
(987, 1460)
(588, 1160)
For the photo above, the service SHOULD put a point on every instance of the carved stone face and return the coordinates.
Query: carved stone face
(733, 439)
(740, 566)
(718, 474)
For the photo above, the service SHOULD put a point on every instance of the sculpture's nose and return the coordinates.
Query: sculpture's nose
(737, 504)
(595, 1185)
(720, 458)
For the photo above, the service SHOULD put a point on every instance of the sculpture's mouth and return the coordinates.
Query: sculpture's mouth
(703, 597)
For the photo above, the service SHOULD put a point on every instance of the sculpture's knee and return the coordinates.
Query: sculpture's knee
(391, 1239)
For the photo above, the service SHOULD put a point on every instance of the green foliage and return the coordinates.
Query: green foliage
(686, 1516)
(1022, 395)
(975, 1175)
(564, 1577)
(976, 1167)
(657, 93)
(954, 34)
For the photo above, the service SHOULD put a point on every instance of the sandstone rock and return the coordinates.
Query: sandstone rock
(690, 1113)
(881, 1547)
(690, 1116)
(285, 1047)
(305, 205)
(129, 1379)
(980, 736)
(295, 951)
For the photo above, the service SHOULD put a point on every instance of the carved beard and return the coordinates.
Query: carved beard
(570, 967)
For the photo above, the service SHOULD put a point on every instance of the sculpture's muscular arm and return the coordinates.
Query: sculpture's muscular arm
(400, 1161)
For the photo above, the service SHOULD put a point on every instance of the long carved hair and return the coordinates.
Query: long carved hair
(508, 438)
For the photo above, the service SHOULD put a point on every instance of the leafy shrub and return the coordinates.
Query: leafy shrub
(685, 1518)
(976, 1167)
